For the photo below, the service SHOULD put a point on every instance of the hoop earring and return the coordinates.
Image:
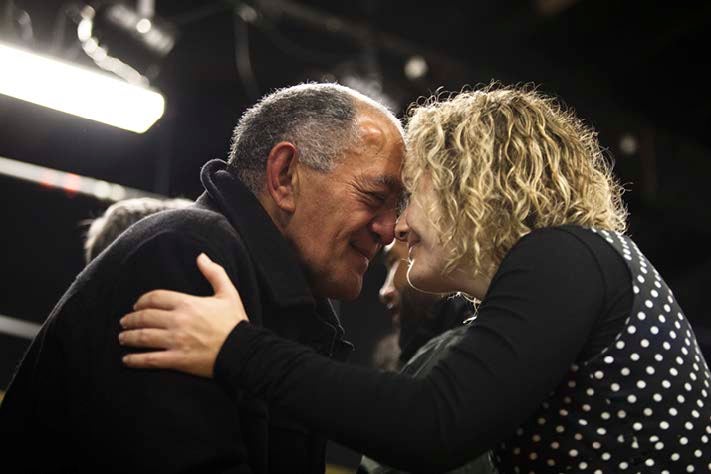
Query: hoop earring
(409, 282)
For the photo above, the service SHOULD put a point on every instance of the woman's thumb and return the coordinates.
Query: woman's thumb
(216, 275)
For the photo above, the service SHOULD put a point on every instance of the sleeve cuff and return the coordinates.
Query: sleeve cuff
(234, 354)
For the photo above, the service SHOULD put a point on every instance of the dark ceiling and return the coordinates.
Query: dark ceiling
(628, 63)
(631, 68)
(641, 58)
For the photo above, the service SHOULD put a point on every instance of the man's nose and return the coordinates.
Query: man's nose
(384, 227)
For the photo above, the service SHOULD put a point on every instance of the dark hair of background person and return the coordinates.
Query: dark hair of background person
(120, 216)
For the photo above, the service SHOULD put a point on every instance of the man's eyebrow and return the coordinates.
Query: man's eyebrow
(384, 180)
(393, 184)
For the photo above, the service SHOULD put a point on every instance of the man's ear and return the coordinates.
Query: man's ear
(282, 177)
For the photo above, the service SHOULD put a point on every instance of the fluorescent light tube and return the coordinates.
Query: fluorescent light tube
(77, 90)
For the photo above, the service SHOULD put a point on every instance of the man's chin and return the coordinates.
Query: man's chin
(342, 290)
(350, 292)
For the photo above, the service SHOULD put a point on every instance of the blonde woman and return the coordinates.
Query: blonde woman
(580, 358)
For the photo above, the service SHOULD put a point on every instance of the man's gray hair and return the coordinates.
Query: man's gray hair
(318, 118)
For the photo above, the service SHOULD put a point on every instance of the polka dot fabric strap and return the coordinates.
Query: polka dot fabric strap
(641, 405)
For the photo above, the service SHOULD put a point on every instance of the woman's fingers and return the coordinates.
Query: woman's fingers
(153, 360)
(189, 329)
(161, 299)
(151, 338)
(148, 318)
(221, 284)
(216, 275)
(168, 360)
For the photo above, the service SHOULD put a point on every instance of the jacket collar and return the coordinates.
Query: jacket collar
(272, 256)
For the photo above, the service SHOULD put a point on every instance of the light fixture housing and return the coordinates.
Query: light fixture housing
(78, 90)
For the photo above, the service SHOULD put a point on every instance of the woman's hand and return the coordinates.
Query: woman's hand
(190, 330)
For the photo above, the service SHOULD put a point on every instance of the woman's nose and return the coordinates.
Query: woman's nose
(401, 227)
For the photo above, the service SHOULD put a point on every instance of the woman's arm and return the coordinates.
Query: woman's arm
(533, 323)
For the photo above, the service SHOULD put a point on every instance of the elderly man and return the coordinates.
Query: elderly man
(306, 200)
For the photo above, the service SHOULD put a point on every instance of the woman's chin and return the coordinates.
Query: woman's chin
(428, 283)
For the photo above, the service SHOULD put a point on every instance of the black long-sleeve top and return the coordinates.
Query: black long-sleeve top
(560, 296)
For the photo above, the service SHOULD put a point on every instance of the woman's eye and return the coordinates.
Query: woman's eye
(402, 203)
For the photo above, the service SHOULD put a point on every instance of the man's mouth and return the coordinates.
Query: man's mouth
(365, 253)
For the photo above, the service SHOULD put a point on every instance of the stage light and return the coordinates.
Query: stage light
(70, 183)
(78, 90)
(628, 144)
(116, 32)
(416, 67)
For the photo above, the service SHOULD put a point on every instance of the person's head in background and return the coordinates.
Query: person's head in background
(120, 216)
(401, 300)
(405, 305)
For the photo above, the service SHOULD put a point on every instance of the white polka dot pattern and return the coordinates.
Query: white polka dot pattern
(641, 405)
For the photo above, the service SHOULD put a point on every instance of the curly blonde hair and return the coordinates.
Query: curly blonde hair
(503, 161)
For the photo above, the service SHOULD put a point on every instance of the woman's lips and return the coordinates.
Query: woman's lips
(410, 248)
(412, 241)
